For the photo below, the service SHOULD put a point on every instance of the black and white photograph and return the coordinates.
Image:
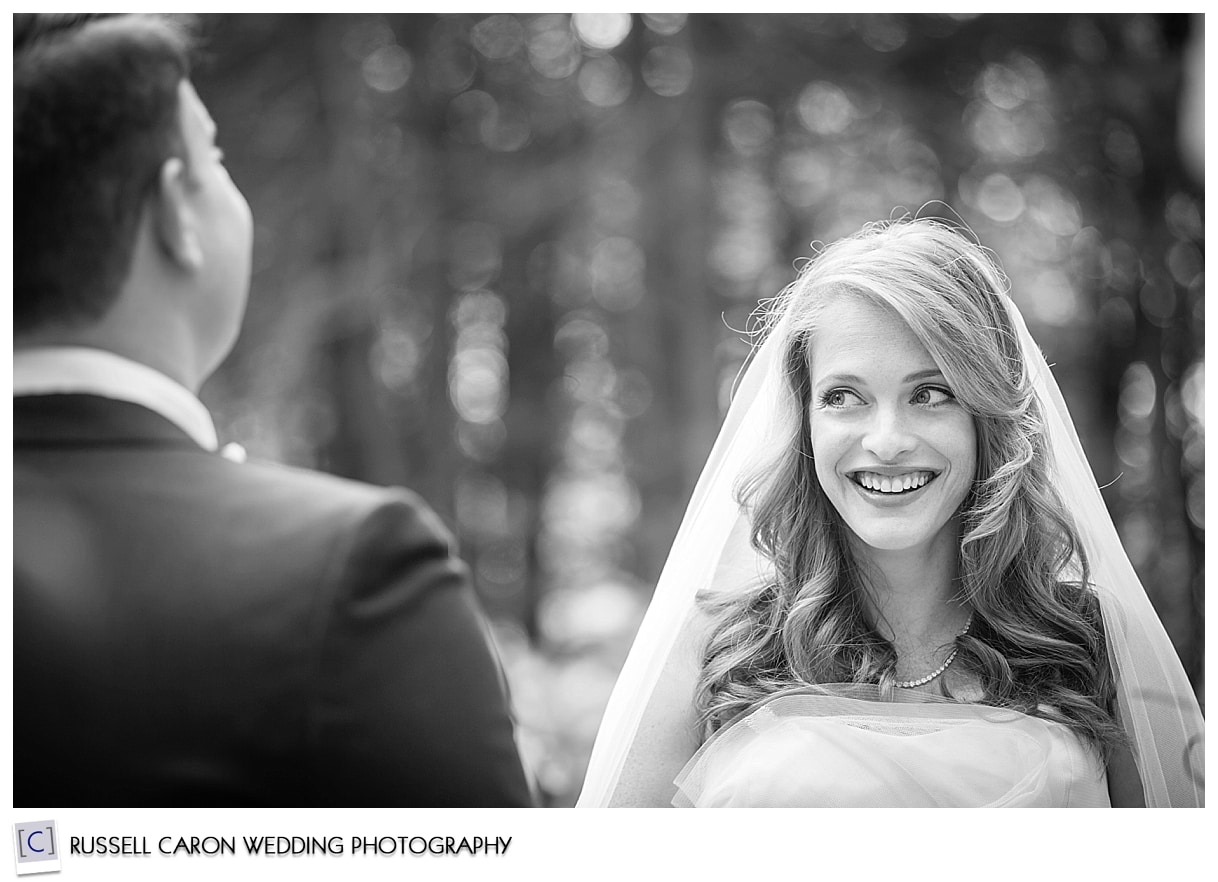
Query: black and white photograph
(582, 410)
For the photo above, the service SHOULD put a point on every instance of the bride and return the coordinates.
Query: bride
(896, 583)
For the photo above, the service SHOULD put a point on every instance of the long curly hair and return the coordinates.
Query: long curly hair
(1037, 640)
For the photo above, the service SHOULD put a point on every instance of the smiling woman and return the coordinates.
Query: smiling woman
(897, 535)
(872, 586)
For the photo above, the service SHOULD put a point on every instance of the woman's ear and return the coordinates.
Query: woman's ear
(172, 217)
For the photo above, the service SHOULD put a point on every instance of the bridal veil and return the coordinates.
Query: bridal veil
(1156, 704)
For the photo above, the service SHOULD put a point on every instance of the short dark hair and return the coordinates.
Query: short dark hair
(95, 115)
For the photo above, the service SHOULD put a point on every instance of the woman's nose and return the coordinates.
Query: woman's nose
(887, 437)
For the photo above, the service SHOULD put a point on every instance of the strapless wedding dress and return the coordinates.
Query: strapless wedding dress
(827, 749)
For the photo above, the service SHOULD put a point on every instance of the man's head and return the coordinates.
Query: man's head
(118, 185)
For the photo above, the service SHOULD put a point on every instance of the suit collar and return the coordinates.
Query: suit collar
(81, 370)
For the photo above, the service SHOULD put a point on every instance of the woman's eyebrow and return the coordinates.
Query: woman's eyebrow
(841, 378)
(925, 374)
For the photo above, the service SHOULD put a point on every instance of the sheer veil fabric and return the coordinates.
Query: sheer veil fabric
(1156, 703)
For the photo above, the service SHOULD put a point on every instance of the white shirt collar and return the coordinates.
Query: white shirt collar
(79, 370)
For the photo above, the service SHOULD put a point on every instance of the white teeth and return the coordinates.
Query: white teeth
(889, 484)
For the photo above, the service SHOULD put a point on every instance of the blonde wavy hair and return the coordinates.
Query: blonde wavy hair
(1037, 639)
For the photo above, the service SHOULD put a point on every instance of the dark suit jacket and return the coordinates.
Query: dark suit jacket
(193, 631)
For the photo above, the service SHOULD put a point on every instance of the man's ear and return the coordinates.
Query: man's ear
(172, 217)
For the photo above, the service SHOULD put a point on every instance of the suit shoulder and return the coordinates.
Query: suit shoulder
(300, 490)
(283, 481)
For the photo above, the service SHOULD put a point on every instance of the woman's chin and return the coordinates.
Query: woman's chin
(894, 538)
(889, 542)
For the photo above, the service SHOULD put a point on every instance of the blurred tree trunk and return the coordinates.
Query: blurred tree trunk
(682, 310)
(364, 445)
(427, 423)
(530, 454)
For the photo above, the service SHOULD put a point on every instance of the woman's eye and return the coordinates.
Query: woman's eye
(838, 398)
(932, 395)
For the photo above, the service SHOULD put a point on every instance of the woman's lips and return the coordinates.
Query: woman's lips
(892, 484)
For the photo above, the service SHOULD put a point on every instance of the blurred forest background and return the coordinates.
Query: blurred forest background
(500, 258)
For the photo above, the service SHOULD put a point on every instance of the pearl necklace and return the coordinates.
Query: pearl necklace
(922, 681)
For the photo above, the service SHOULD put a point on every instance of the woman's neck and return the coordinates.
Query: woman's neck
(913, 592)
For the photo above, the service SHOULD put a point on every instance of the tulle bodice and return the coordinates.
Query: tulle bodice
(835, 750)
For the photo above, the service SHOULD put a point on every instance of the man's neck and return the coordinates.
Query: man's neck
(171, 354)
